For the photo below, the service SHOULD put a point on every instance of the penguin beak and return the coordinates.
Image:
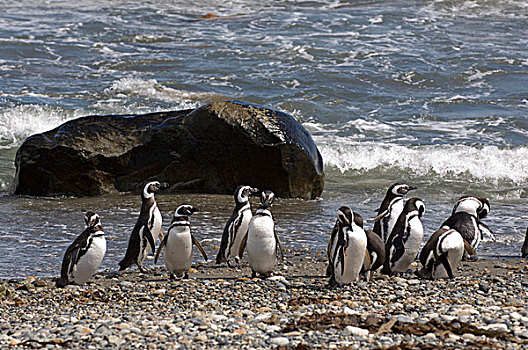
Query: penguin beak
(267, 203)
(164, 185)
(194, 210)
(253, 191)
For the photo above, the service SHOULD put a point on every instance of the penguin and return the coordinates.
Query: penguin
(465, 218)
(358, 220)
(262, 239)
(475, 205)
(146, 231)
(376, 253)
(85, 255)
(524, 249)
(442, 253)
(346, 249)
(237, 226)
(390, 209)
(178, 242)
(403, 245)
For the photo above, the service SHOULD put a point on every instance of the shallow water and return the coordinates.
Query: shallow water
(433, 93)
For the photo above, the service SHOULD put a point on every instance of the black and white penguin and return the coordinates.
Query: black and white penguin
(390, 209)
(376, 252)
(524, 249)
(403, 244)
(178, 243)
(146, 231)
(465, 218)
(262, 240)
(346, 249)
(442, 253)
(85, 255)
(475, 205)
(237, 226)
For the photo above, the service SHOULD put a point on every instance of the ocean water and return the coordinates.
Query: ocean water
(431, 93)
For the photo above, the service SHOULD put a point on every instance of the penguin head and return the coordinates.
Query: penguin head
(400, 189)
(358, 219)
(266, 199)
(185, 210)
(242, 193)
(345, 217)
(152, 187)
(91, 219)
(415, 204)
(474, 205)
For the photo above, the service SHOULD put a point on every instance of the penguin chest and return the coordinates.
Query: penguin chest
(349, 259)
(90, 261)
(403, 256)
(237, 234)
(261, 244)
(395, 209)
(452, 245)
(155, 222)
(178, 250)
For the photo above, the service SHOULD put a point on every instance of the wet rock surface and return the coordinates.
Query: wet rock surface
(221, 307)
(211, 149)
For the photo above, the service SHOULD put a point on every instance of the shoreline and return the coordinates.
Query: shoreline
(484, 306)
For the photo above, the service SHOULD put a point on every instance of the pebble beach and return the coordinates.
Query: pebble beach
(221, 307)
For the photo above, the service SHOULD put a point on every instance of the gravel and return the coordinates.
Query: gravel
(484, 306)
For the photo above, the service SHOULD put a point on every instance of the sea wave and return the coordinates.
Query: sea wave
(489, 163)
(153, 89)
(19, 122)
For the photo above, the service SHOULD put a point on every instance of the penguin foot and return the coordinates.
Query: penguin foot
(253, 274)
(186, 275)
(423, 274)
(470, 258)
(172, 276)
(332, 283)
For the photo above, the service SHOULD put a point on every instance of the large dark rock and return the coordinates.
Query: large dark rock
(211, 149)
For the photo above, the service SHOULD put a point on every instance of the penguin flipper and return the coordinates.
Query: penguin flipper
(468, 249)
(148, 234)
(367, 263)
(242, 246)
(199, 246)
(381, 215)
(162, 244)
(66, 262)
(445, 262)
(279, 243)
(486, 230)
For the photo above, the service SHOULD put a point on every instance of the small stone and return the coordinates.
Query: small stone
(468, 336)
(501, 327)
(430, 336)
(280, 341)
(201, 337)
(115, 340)
(103, 330)
(483, 286)
(404, 319)
(39, 283)
(356, 331)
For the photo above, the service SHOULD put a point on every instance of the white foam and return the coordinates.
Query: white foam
(152, 89)
(19, 122)
(489, 163)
